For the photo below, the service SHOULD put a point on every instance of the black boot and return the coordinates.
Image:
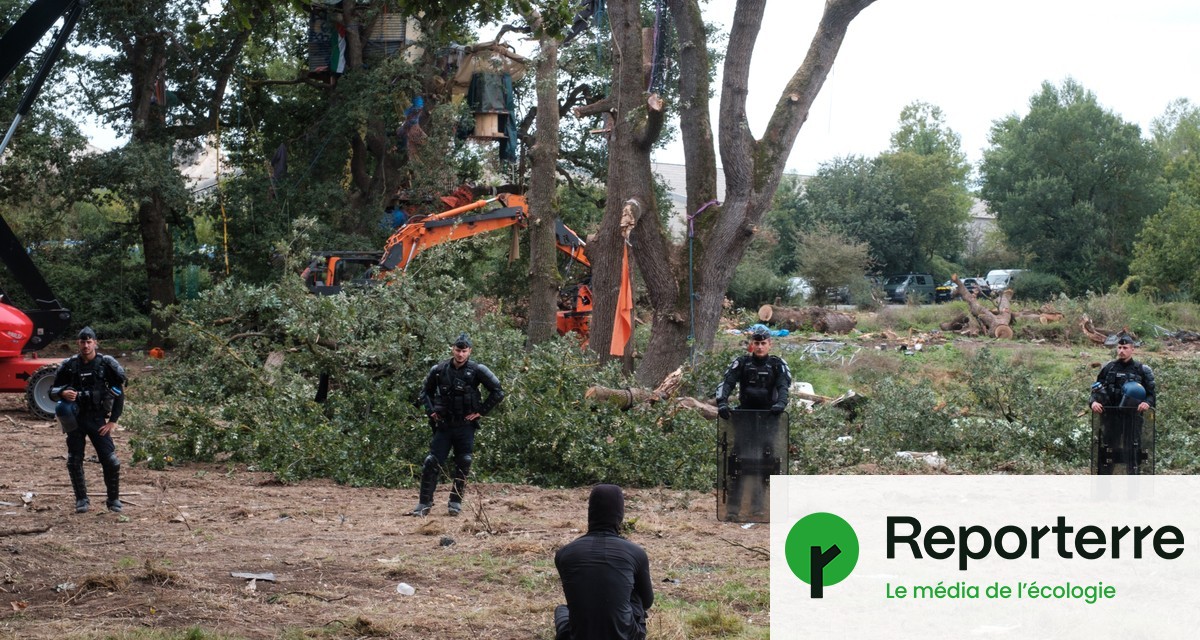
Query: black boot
(79, 485)
(462, 468)
(112, 482)
(429, 480)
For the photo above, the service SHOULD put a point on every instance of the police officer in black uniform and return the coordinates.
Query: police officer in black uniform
(90, 389)
(1110, 391)
(762, 379)
(454, 405)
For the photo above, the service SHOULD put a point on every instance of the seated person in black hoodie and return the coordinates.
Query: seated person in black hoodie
(605, 577)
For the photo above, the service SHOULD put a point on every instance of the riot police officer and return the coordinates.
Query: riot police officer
(90, 389)
(454, 405)
(762, 379)
(1109, 389)
(1124, 390)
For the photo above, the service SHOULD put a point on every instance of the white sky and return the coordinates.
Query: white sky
(979, 60)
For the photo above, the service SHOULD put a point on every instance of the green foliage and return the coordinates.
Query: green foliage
(1036, 286)
(1177, 417)
(755, 284)
(241, 382)
(856, 196)
(1071, 184)
(787, 217)
(828, 259)
(931, 174)
(1166, 256)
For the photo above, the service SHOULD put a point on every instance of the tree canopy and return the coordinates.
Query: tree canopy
(1071, 184)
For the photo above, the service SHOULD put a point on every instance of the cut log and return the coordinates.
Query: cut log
(835, 322)
(1095, 335)
(959, 323)
(819, 318)
(998, 324)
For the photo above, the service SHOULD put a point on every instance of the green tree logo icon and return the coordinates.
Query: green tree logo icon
(821, 549)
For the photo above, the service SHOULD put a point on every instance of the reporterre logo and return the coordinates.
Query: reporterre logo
(821, 549)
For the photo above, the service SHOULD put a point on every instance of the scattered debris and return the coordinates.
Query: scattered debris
(64, 587)
(931, 458)
(446, 541)
(405, 589)
(266, 577)
(27, 498)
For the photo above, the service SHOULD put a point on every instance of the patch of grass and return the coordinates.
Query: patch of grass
(745, 596)
(714, 621)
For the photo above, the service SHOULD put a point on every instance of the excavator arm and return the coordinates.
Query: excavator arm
(455, 224)
(329, 271)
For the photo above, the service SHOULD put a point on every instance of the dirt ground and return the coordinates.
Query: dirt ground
(337, 554)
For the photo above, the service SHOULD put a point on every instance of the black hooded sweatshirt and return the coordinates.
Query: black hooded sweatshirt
(605, 577)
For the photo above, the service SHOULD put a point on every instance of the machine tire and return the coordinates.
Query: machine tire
(37, 392)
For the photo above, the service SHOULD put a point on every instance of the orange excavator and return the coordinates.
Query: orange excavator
(468, 216)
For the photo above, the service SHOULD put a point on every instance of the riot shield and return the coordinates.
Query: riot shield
(1122, 442)
(751, 447)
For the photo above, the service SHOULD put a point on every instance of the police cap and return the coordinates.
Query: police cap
(760, 332)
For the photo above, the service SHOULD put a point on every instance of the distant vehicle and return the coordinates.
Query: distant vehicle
(977, 287)
(1000, 279)
(918, 286)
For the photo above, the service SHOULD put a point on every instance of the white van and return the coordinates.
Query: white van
(1001, 279)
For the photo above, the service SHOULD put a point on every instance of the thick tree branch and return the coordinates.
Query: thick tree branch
(737, 142)
(648, 133)
(580, 93)
(695, 124)
(595, 108)
(801, 91)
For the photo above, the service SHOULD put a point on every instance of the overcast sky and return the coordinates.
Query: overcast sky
(979, 60)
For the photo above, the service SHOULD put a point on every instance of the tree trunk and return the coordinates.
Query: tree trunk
(637, 122)
(687, 301)
(544, 280)
(160, 265)
(998, 323)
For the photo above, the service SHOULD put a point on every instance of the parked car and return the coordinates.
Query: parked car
(947, 291)
(1001, 279)
(918, 286)
(944, 291)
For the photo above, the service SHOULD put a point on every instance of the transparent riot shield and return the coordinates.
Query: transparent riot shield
(1123, 442)
(751, 447)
